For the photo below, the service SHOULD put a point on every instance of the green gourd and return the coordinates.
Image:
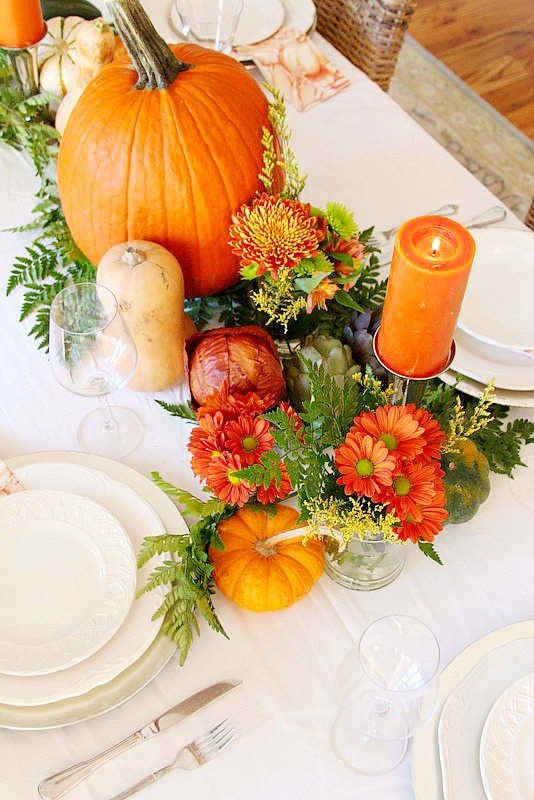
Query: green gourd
(69, 8)
(466, 481)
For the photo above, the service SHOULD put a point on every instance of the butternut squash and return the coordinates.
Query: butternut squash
(148, 283)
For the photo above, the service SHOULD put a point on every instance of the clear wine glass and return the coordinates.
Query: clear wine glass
(386, 690)
(523, 479)
(93, 354)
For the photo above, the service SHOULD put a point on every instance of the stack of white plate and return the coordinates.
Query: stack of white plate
(75, 641)
(495, 333)
(479, 745)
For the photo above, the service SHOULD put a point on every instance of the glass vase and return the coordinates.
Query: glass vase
(365, 564)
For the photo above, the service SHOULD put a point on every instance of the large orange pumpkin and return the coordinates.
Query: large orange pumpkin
(258, 572)
(169, 164)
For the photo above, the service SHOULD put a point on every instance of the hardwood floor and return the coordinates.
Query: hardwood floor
(489, 44)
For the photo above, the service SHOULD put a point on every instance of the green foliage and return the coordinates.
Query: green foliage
(427, 548)
(53, 259)
(187, 575)
(182, 410)
(500, 441)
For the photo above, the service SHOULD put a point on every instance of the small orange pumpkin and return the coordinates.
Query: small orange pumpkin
(256, 569)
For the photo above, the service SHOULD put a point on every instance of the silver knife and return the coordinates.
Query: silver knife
(61, 782)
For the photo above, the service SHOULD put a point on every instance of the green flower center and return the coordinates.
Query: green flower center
(365, 467)
(234, 478)
(401, 486)
(389, 440)
(249, 443)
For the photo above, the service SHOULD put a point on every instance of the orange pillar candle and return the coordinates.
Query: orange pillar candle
(429, 272)
(21, 23)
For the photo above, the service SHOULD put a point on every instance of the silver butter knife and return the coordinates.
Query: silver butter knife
(56, 785)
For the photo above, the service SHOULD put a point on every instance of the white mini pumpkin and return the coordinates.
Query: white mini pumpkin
(56, 55)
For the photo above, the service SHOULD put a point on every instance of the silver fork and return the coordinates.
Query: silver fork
(193, 755)
(380, 238)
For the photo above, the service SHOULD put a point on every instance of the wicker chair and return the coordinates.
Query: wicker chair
(369, 33)
(529, 219)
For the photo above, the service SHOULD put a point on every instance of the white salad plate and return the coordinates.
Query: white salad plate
(446, 753)
(507, 744)
(67, 579)
(504, 397)
(138, 651)
(138, 630)
(497, 307)
(481, 361)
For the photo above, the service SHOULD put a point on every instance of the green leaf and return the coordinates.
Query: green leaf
(428, 549)
(182, 410)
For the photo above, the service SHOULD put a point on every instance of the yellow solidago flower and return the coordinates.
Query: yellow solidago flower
(363, 521)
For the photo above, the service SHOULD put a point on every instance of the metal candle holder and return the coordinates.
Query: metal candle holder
(25, 68)
(408, 389)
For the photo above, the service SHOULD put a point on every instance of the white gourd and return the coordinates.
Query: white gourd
(56, 55)
(95, 46)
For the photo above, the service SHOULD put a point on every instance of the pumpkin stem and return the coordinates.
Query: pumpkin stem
(132, 257)
(154, 61)
(268, 547)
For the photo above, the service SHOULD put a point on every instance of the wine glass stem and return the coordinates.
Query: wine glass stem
(108, 423)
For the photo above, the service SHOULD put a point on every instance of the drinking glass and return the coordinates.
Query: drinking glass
(386, 690)
(210, 23)
(93, 354)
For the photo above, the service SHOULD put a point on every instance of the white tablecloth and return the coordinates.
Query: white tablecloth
(361, 149)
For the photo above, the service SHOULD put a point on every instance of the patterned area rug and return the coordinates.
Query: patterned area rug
(499, 155)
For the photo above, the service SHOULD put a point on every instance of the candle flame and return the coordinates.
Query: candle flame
(435, 246)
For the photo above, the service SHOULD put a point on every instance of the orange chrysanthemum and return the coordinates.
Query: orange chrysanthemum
(319, 296)
(354, 248)
(365, 466)
(274, 233)
(223, 480)
(395, 426)
(430, 523)
(272, 493)
(249, 437)
(433, 436)
(414, 485)
(206, 442)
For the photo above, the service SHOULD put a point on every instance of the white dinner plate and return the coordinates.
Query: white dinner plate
(259, 20)
(469, 686)
(138, 630)
(482, 362)
(154, 653)
(504, 397)
(497, 307)
(507, 744)
(67, 579)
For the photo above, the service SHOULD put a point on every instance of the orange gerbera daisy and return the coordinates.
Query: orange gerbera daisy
(318, 297)
(430, 522)
(434, 435)
(274, 233)
(223, 480)
(233, 405)
(273, 492)
(414, 485)
(206, 442)
(365, 465)
(395, 426)
(249, 437)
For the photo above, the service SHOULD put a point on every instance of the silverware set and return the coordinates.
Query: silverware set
(192, 755)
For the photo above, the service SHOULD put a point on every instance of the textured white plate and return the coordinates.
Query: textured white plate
(67, 579)
(507, 744)
(497, 306)
(503, 397)
(488, 666)
(133, 678)
(138, 630)
(481, 361)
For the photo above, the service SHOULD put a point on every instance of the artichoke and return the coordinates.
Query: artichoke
(358, 335)
(335, 357)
